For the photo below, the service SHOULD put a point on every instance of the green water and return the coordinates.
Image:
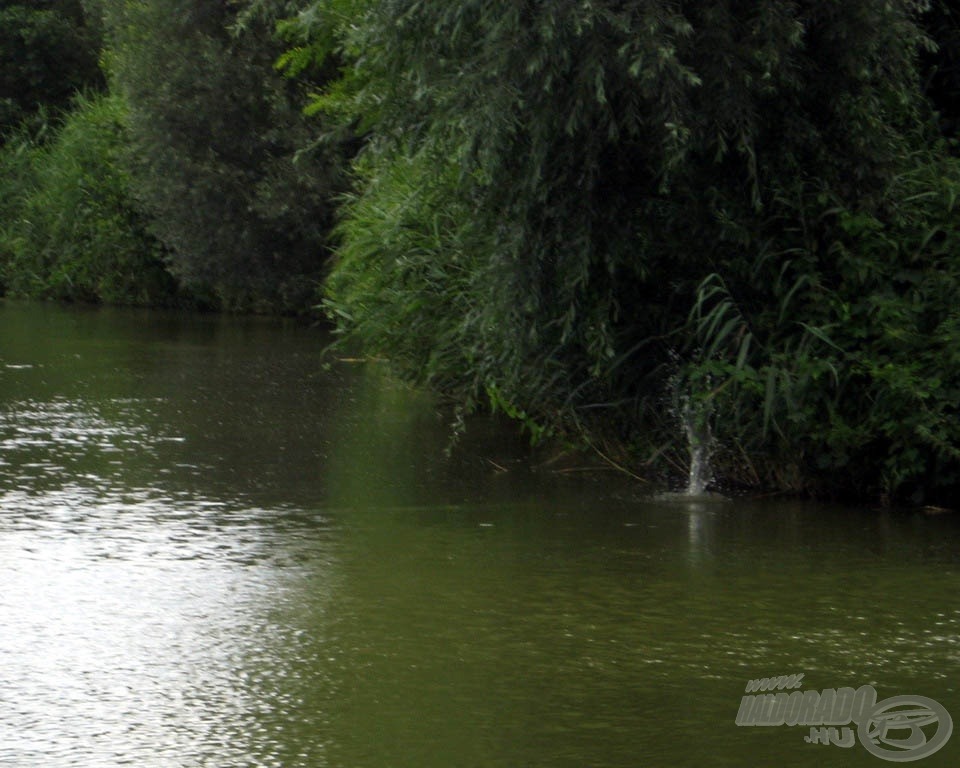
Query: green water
(214, 551)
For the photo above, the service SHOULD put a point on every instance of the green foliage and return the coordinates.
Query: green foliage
(580, 209)
(406, 272)
(69, 229)
(836, 356)
(47, 54)
(237, 181)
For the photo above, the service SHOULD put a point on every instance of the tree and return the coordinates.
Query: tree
(238, 183)
(624, 203)
(47, 54)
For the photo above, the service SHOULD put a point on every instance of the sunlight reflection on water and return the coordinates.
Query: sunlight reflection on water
(133, 619)
(139, 601)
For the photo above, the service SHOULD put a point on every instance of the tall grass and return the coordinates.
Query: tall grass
(406, 271)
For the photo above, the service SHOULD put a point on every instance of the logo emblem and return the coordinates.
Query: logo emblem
(894, 729)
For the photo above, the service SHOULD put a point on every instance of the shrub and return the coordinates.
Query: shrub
(72, 231)
(837, 356)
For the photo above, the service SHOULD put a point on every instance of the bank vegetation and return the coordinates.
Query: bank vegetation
(601, 218)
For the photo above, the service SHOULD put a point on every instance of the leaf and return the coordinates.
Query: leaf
(821, 335)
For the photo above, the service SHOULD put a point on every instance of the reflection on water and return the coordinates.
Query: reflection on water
(215, 552)
(131, 631)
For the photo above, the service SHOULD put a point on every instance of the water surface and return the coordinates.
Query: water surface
(218, 550)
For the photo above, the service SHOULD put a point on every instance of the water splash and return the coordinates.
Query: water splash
(700, 444)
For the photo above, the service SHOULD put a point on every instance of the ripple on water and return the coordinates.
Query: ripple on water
(43, 442)
(131, 616)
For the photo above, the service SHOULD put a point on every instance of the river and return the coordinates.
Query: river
(220, 548)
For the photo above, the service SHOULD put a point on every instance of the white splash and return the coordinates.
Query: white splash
(700, 445)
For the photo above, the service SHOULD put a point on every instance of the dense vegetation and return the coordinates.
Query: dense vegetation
(604, 218)
(227, 185)
(70, 228)
(48, 51)
(238, 184)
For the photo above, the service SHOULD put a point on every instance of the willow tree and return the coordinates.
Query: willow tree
(586, 210)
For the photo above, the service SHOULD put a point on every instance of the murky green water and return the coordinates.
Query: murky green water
(214, 552)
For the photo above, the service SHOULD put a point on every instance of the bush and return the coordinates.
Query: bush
(72, 231)
(834, 362)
